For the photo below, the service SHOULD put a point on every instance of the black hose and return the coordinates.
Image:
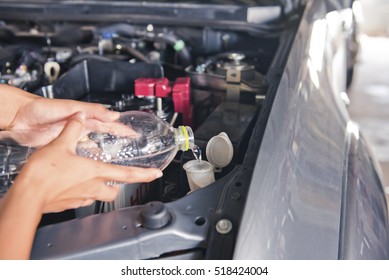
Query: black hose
(77, 59)
(179, 46)
(126, 30)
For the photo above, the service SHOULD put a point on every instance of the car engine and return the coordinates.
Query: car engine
(211, 79)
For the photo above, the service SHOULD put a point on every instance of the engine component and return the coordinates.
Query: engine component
(12, 158)
(52, 70)
(99, 77)
(228, 72)
(21, 66)
(161, 88)
(124, 31)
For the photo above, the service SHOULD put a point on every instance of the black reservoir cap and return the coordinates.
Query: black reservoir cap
(154, 215)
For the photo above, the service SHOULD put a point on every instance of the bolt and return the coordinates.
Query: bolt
(223, 226)
(235, 196)
(237, 57)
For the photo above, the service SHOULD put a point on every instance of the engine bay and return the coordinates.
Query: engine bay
(213, 79)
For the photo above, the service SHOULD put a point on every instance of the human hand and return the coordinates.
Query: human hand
(59, 179)
(35, 121)
(55, 179)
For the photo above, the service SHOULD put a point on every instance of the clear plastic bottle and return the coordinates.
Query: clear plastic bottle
(139, 139)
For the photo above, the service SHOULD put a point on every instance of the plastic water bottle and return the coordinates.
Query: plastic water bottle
(137, 139)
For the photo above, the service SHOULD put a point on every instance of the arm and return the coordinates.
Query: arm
(55, 179)
(19, 218)
(14, 99)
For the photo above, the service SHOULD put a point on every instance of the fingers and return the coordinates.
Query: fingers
(96, 191)
(127, 174)
(115, 128)
(108, 116)
(71, 133)
(106, 193)
(96, 111)
(61, 109)
(66, 204)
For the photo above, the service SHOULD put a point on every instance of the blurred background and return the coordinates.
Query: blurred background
(375, 15)
(369, 91)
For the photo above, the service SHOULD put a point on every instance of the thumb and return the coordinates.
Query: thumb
(71, 133)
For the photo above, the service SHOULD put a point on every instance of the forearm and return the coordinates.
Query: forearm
(19, 217)
(12, 99)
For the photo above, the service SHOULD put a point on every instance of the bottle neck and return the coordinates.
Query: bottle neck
(184, 138)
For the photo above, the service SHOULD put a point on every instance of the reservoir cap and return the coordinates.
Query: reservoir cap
(154, 215)
(219, 150)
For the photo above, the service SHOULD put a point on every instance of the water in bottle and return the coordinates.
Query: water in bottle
(137, 139)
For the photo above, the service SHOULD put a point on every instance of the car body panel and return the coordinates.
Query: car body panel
(364, 227)
(293, 209)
